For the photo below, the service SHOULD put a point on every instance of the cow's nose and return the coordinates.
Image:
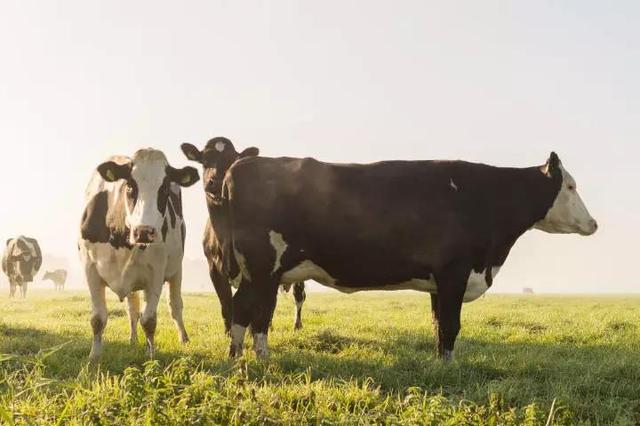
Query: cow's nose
(144, 234)
(594, 225)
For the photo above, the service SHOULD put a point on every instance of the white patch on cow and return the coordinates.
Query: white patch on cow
(477, 284)
(568, 214)
(237, 338)
(307, 270)
(260, 345)
(242, 264)
(149, 171)
(220, 146)
(279, 245)
(453, 185)
(235, 282)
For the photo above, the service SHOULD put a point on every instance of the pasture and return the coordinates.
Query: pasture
(360, 359)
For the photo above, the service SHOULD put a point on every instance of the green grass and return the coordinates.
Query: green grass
(361, 359)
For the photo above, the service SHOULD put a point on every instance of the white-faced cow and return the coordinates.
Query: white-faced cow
(216, 158)
(132, 239)
(58, 277)
(21, 261)
(442, 227)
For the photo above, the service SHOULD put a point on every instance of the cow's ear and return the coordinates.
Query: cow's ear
(185, 176)
(112, 171)
(9, 241)
(249, 152)
(552, 167)
(191, 152)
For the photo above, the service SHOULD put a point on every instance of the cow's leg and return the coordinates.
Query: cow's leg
(175, 305)
(241, 317)
(133, 304)
(12, 289)
(149, 318)
(435, 320)
(261, 314)
(299, 296)
(451, 285)
(223, 290)
(98, 310)
(23, 290)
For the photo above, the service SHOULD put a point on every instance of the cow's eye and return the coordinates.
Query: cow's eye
(572, 188)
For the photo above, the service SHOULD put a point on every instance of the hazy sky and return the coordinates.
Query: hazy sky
(497, 82)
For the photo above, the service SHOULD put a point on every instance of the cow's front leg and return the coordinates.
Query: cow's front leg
(149, 318)
(23, 290)
(12, 289)
(299, 296)
(98, 310)
(175, 305)
(133, 305)
(451, 284)
(223, 290)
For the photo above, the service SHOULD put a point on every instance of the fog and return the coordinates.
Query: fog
(494, 82)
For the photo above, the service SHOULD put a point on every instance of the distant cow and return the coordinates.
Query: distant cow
(21, 261)
(527, 290)
(132, 239)
(216, 158)
(442, 227)
(58, 277)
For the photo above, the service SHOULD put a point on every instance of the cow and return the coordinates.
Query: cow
(441, 227)
(58, 277)
(216, 158)
(21, 262)
(132, 236)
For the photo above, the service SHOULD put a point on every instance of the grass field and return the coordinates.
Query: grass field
(360, 359)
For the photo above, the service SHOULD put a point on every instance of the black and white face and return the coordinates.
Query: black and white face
(216, 158)
(568, 214)
(147, 181)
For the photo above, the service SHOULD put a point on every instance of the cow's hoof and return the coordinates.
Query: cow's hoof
(184, 339)
(235, 351)
(297, 326)
(447, 356)
(133, 341)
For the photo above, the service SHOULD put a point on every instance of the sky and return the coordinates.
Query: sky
(497, 82)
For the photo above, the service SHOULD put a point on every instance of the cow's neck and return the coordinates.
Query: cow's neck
(517, 214)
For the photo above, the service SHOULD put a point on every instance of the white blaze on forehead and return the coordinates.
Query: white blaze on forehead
(220, 146)
(148, 172)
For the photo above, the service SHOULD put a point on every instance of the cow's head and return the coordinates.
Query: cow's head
(568, 214)
(148, 178)
(216, 158)
(47, 275)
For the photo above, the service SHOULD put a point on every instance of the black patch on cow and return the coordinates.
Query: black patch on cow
(164, 229)
(21, 268)
(172, 215)
(176, 201)
(105, 223)
(163, 194)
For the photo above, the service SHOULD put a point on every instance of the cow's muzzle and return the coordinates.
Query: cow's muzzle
(144, 235)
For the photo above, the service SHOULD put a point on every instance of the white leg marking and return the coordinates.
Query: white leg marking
(260, 345)
(237, 339)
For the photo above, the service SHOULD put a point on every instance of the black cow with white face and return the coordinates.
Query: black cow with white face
(132, 237)
(442, 227)
(21, 262)
(216, 158)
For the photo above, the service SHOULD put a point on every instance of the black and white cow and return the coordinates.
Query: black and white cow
(442, 227)
(21, 262)
(58, 277)
(132, 239)
(216, 158)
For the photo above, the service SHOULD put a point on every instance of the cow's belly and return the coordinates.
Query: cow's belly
(307, 270)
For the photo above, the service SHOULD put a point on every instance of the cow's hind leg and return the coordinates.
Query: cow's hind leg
(175, 305)
(451, 285)
(261, 314)
(435, 320)
(299, 295)
(23, 290)
(133, 305)
(12, 289)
